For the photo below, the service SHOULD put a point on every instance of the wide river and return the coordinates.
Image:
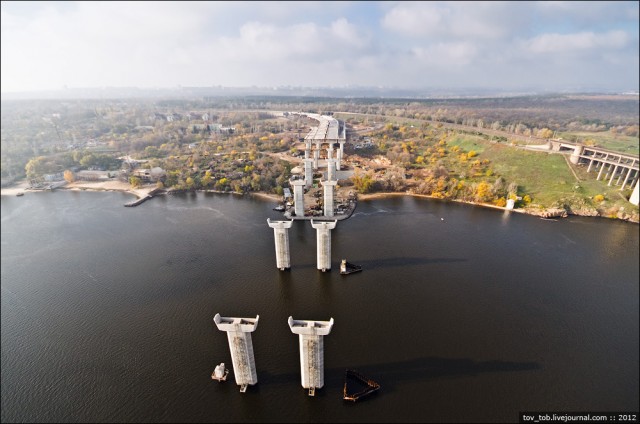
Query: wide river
(461, 314)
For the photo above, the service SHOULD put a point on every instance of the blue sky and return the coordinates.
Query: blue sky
(445, 45)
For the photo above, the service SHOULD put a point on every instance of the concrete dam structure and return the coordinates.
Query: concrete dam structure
(239, 334)
(615, 168)
(281, 236)
(311, 339)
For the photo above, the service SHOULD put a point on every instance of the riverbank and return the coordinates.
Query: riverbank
(526, 211)
(140, 192)
(268, 196)
(145, 191)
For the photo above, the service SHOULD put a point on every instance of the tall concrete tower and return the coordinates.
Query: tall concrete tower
(323, 236)
(328, 187)
(298, 196)
(311, 336)
(281, 235)
(308, 173)
(239, 334)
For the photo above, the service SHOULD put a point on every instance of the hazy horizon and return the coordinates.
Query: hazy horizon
(422, 46)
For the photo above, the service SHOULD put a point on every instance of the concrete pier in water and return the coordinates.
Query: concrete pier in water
(281, 235)
(311, 339)
(239, 334)
(323, 236)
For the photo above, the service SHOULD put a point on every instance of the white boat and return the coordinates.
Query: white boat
(220, 373)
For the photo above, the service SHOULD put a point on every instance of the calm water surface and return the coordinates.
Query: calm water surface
(107, 311)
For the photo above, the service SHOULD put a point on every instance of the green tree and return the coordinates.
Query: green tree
(189, 183)
(363, 182)
(483, 192)
(135, 181)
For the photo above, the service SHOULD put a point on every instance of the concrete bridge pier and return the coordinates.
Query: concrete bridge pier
(619, 176)
(308, 173)
(239, 335)
(635, 196)
(575, 156)
(323, 235)
(281, 235)
(613, 174)
(316, 158)
(329, 187)
(626, 178)
(339, 159)
(311, 339)
(331, 169)
(606, 175)
(602, 166)
(298, 196)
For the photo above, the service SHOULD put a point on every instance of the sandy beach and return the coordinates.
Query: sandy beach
(111, 185)
(14, 189)
(268, 196)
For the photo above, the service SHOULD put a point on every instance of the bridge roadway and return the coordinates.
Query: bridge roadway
(623, 166)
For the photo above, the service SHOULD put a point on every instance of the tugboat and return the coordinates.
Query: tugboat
(220, 373)
(349, 268)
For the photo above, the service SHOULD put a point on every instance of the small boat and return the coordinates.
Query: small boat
(279, 208)
(349, 268)
(220, 373)
(366, 386)
(20, 194)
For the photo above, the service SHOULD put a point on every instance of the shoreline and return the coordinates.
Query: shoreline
(113, 186)
(143, 192)
(373, 196)
(267, 196)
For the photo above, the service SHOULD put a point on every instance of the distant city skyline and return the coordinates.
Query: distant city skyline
(508, 46)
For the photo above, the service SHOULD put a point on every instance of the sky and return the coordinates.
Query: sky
(548, 45)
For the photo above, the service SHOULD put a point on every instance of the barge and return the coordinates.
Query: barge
(370, 386)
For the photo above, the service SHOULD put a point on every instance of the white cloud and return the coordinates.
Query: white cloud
(583, 41)
(445, 55)
(48, 45)
(453, 19)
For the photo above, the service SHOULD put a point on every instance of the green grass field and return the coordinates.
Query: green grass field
(469, 143)
(543, 176)
(547, 177)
